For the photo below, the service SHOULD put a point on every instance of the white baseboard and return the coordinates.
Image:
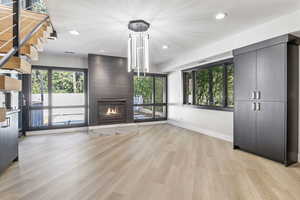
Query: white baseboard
(200, 130)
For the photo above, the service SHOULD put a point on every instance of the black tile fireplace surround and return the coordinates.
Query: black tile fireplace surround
(110, 90)
(112, 111)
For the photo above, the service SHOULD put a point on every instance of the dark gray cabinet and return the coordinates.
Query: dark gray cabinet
(9, 134)
(245, 120)
(245, 76)
(266, 99)
(271, 72)
(271, 130)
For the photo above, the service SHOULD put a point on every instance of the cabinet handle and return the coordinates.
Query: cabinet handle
(258, 106)
(254, 106)
(253, 95)
(257, 96)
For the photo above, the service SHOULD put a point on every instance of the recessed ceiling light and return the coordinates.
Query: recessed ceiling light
(221, 15)
(74, 32)
(165, 46)
(102, 51)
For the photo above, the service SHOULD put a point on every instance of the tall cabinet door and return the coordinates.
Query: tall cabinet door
(271, 130)
(245, 76)
(245, 125)
(271, 72)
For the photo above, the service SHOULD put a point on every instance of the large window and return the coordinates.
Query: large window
(58, 98)
(210, 86)
(150, 97)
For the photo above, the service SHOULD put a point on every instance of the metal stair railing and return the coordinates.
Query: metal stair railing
(16, 15)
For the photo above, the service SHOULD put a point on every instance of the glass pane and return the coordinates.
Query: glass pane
(188, 88)
(39, 87)
(230, 78)
(67, 88)
(143, 90)
(67, 116)
(143, 112)
(202, 87)
(217, 85)
(160, 112)
(160, 90)
(39, 118)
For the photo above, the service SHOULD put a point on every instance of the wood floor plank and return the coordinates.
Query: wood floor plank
(161, 162)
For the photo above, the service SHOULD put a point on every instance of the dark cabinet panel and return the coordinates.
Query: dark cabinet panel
(9, 133)
(271, 72)
(244, 125)
(245, 76)
(271, 130)
(3, 161)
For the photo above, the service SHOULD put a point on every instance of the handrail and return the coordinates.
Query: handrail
(17, 42)
(14, 50)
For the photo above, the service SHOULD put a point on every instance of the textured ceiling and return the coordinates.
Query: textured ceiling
(180, 24)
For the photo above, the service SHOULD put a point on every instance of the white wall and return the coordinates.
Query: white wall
(61, 60)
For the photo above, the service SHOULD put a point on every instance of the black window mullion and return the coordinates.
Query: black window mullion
(86, 110)
(225, 94)
(210, 92)
(193, 87)
(50, 97)
(154, 99)
(184, 87)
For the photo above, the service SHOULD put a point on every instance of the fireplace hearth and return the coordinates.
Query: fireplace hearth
(111, 111)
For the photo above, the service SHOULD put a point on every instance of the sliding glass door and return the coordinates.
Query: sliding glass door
(150, 97)
(57, 98)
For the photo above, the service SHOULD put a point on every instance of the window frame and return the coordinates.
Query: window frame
(50, 107)
(224, 63)
(153, 75)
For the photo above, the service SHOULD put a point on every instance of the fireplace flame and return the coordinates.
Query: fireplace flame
(111, 111)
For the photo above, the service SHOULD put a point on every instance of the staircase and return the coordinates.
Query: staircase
(23, 32)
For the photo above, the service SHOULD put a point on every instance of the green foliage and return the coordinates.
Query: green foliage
(188, 86)
(62, 82)
(67, 82)
(160, 83)
(39, 81)
(202, 87)
(217, 85)
(230, 89)
(143, 86)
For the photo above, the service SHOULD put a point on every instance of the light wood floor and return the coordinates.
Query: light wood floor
(163, 162)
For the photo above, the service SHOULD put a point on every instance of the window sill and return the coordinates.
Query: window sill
(227, 109)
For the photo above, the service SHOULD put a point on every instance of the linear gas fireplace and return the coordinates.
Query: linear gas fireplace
(112, 111)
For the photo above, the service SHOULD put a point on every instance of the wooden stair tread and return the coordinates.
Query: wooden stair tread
(18, 64)
(2, 114)
(10, 84)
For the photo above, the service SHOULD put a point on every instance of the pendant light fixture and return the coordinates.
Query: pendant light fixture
(138, 47)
